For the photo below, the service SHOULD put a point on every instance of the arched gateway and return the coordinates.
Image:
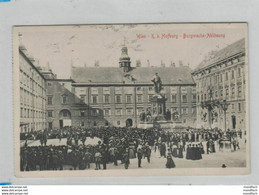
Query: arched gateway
(64, 118)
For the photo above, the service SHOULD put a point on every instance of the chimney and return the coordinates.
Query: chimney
(172, 64)
(148, 63)
(162, 64)
(180, 63)
(138, 63)
(96, 63)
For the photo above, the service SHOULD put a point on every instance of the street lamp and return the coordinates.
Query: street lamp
(224, 105)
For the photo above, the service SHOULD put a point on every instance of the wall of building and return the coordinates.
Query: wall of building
(32, 96)
(227, 80)
(134, 99)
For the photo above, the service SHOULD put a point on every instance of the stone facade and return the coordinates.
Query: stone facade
(32, 95)
(223, 77)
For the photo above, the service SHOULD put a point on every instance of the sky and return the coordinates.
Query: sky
(61, 47)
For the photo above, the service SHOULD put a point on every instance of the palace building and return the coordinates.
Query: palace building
(32, 95)
(221, 84)
(120, 94)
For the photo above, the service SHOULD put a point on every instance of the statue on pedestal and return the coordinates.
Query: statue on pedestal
(157, 83)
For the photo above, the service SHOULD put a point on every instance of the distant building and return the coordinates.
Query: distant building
(32, 95)
(121, 93)
(222, 76)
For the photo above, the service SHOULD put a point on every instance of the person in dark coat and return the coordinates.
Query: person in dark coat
(148, 153)
(188, 152)
(163, 150)
(126, 159)
(169, 163)
(140, 154)
(180, 155)
(87, 158)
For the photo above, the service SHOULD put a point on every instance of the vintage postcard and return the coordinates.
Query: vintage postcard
(131, 100)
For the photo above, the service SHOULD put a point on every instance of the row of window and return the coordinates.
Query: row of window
(28, 113)
(29, 99)
(129, 99)
(219, 78)
(215, 94)
(26, 80)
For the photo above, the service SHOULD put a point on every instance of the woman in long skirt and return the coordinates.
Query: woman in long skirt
(169, 163)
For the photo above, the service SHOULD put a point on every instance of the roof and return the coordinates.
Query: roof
(230, 50)
(138, 75)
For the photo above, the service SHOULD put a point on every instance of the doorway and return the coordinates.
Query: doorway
(129, 122)
(233, 122)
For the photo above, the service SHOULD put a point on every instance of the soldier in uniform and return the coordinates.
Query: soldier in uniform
(140, 154)
(126, 159)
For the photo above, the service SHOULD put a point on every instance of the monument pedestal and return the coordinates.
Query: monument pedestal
(158, 107)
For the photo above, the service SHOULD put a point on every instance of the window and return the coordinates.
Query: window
(239, 107)
(64, 99)
(174, 99)
(129, 111)
(193, 98)
(184, 98)
(50, 114)
(205, 96)
(118, 122)
(226, 76)
(221, 78)
(184, 120)
(94, 99)
(118, 99)
(82, 113)
(21, 114)
(216, 94)
(239, 72)
(138, 88)
(150, 97)
(233, 91)
(94, 112)
(198, 98)
(118, 112)
(227, 92)
(233, 74)
(233, 106)
(139, 110)
(65, 113)
(24, 113)
(239, 91)
(139, 98)
(49, 84)
(82, 124)
(106, 123)
(82, 98)
(106, 112)
(50, 125)
(49, 100)
(221, 93)
(128, 99)
(201, 97)
(194, 110)
(95, 124)
(184, 110)
(106, 99)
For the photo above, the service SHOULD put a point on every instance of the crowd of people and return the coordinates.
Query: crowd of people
(117, 144)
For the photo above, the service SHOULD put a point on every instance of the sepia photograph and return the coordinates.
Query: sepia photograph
(131, 100)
